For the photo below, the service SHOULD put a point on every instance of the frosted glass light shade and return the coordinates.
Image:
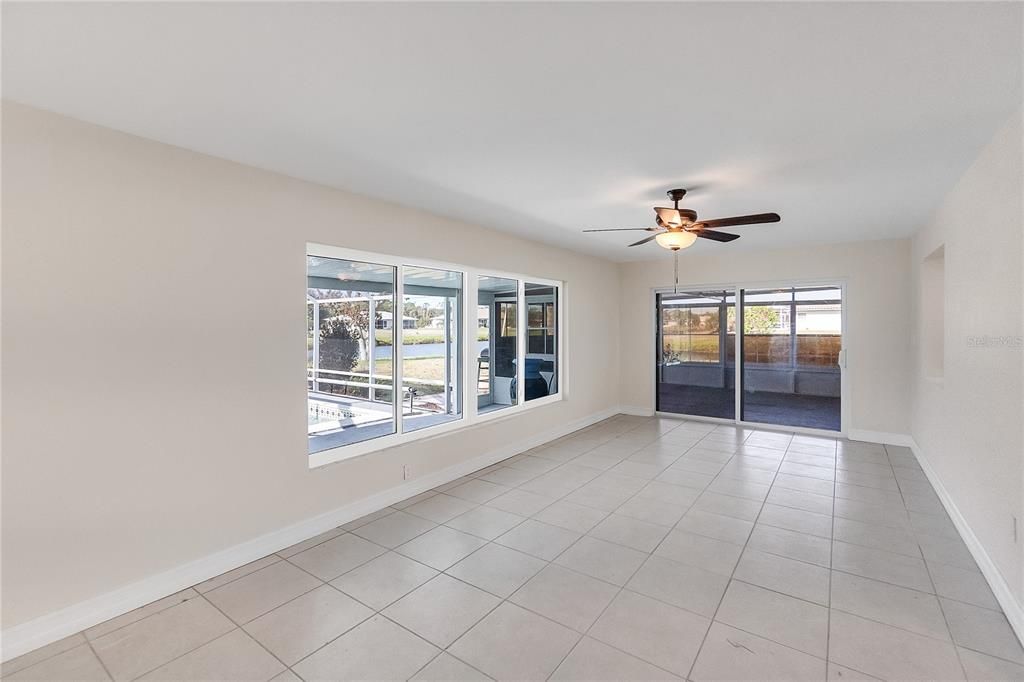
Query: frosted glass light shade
(676, 239)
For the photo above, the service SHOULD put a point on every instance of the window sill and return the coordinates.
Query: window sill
(319, 460)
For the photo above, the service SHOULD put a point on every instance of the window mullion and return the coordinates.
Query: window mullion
(470, 354)
(521, 335)
(792, 331)
(397, 332)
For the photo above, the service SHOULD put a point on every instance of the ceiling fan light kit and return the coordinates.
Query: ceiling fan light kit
(678, 228)
(675, 239)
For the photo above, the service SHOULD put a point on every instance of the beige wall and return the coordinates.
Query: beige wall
(968, 424)
(877, 310)
(153, 354)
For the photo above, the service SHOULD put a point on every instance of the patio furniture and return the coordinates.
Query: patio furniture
(536, 386)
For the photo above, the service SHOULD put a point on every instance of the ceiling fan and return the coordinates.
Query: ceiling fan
(678, 228)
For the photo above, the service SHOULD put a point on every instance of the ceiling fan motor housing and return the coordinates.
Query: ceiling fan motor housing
(678, 217)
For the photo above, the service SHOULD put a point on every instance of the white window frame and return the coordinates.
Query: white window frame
(470, 417)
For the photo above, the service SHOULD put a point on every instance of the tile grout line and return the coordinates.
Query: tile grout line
(439, 654)
(323, 583)
(621, 589)
(878, 580)
(790, 596)
(831, 564)
(712, 620)
(846, 572)
(121, 627)
(195, 648)
(235, 627)
(94, 653)
(931, 580)
(445, 649)
(390, 620)
(584, 635)
(239, 627)
(507, 599)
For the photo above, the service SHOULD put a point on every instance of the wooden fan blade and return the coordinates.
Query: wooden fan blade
(644, 240)
(717, 236)
(755, 219)
(623, 229)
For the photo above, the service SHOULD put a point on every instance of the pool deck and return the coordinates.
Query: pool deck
(373, 429)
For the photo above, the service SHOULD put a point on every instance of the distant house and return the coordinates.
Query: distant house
(384, 321)
(481, 321)
(823, 318)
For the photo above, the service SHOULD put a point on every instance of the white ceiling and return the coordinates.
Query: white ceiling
(850, 120)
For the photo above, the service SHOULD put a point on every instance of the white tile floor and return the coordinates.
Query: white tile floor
(635, 549)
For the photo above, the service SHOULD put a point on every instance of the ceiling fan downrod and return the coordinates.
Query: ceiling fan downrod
(676, 195)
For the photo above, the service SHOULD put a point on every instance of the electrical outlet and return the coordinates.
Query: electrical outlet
(407, 474)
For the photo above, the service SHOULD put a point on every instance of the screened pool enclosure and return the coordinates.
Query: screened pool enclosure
(386, 353)
(351, 354)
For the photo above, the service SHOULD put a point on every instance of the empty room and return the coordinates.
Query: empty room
(634, 341)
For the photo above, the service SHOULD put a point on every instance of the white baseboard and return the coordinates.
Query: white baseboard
(636, 411)
(1013, 610)
(882, 437)
(865, 435)
(21, 639)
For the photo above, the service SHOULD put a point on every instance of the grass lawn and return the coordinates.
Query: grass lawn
(813, 350)
(423, 335)
(688, 348)
(427, 369)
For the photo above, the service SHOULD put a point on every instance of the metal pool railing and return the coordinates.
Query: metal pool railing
(364, 380)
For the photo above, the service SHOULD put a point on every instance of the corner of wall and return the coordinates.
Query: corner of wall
(1002, 591)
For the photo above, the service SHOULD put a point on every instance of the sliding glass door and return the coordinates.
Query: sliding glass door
(697, 353)
(789, 367)
(791, 343)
